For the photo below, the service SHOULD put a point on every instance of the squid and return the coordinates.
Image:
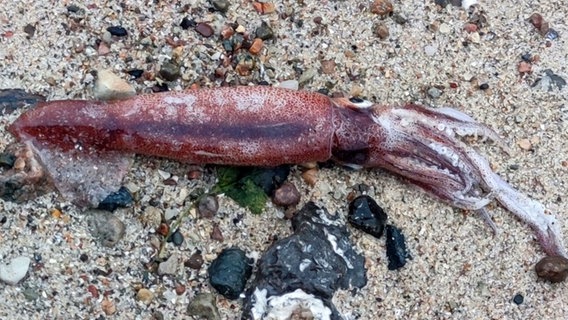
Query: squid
(85, 145)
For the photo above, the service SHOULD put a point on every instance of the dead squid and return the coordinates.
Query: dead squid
(84, 144)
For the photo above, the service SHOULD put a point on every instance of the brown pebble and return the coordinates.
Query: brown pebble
(93, 291)
(328, 66)
(204, 29)
(163, 229)
(382, 7)
(310, 176)
(208, 206)
(108, 306)
(227, 32)
(180, 289)
(536, 20)
(256, 46)
(553, 269)
(145, 295)
(382, 31)
(264, 7)
(216, 233)
(195, 261)
(287, 195)
(524, 67)
(470, 27)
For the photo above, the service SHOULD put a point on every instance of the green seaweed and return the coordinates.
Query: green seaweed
(241, 186)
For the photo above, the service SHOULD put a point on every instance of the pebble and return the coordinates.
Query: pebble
(144, 295)
(117, 31)
(549, 81)
(135, 73)
(256, 46)
(208, 206)
(434, 92)
(264, 7)
(221, 5)
(524, 67)
(187, 23)
(552, 268)
(169, 71)
(176, 238)
(195, 261)
(525, 144)
(169, 266)
(444, 28)
(328, 66)
(396, 248)
(229, 272)
(264, 31)
(518, 299)
(366, 215)
(287, 195)
(109, 86)
(119, 199)
(381, 31)
(151, 217)
(204, 29)
(105, 227)
(217, 234)
(430, 50)
(382, 7)
(204, 305)
(310, 176)
(484, 86)
(15, 271)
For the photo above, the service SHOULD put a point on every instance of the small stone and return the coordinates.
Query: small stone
(117, 31)
(108, 306)
(287, 195)
(399, 19)
(30, 30)
(310, 176)
(518, 299)
(195, 261)
(381, 31)
(169, 71)
(119, 199)
(552, 268)
(264, 32)
(328, 66)
(103, 49)
(525, 144)
(169, 266)
(366, 215)
(151, 217)
(15, 271)
(382, 7)
(430, 50)
(524, 67)
(470, 27)
(163, 229)
(176, 238)
(204, 305)
(264, 7)
(484, 86)
(187, 23)
(434, 92)
(204, 29)
(245, 64)
(109, 86)
(537, 20)
(256, 46)
(396, 248)
(135, 73)
(208, 206)
(144, 295)
(93, 291)
(444, 28)
(105, 227)
(220, 5)
(216, 233)
(229, 272)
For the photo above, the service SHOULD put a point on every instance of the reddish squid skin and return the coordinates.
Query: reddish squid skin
(260, 126)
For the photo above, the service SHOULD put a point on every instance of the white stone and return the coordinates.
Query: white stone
(15, 271)
(109, 86)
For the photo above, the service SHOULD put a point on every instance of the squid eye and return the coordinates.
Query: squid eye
(360, 103)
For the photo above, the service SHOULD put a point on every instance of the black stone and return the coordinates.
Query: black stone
(264, 32)
(317, 259)
(7, 160)
(484, 86)
(396, 248)
(229, 272)
(169, 71)
(176, 238)
(136, 73)
(518, 299)
(271, 178)
(117, 31)
(366, 215)
(187, 23)
(120, 199)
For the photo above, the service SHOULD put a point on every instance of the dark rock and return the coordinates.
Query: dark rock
(120, 199)
(229, 272)
(7, 160)
(204, 305)
(264, 32)
(396, 248)
(552, 268)
(270, 178)
(117, 31)
(549, 81)
(187, 23)
(135, 73)
(518, 299)
(105, 227)
(30, 30)
(74, 8)
(220, 5)
(13, 99)
(484, 86)
(287, 195)
(195, 261)
(169, 71)
(306, 268)
(176, 238)
(208, 206)
(204, 29)
(366, 215)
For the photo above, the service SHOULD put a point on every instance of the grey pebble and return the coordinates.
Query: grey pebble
(169, 71)
(204, 305)
(169, 266)
(434, 92)
(220, 5)
(105, 227)
(15, 271)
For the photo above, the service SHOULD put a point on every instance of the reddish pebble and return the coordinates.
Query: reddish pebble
(328, 66)
(227, 32)
(536, 20)
(524, 67)
(195, 261)
(453, 85)
(180, 289)
(256, 46)
(93, 291)
(216, 234)
(382, 7)
(553, 269)
(287, 195)
(470, 27)
(163, 229)
(264, 7)
(204, 29)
